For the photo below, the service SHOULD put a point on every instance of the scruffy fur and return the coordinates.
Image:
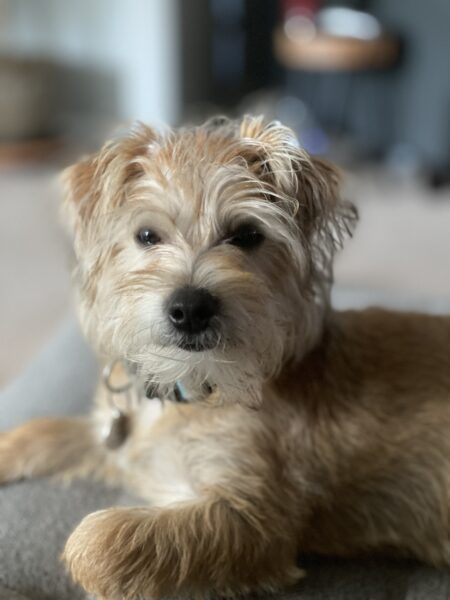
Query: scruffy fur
(326, 431)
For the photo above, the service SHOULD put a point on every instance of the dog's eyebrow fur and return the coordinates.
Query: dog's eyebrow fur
(185, 159)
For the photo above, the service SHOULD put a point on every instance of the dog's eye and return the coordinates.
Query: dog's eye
(246, 236)
(147, 237)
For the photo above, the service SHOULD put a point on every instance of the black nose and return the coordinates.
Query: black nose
(191, 309)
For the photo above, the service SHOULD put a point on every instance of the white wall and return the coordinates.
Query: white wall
(135, 40)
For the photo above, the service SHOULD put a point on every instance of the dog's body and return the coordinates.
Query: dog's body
(323, 432)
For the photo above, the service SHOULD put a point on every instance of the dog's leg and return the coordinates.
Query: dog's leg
(48, 446)
(219, 544)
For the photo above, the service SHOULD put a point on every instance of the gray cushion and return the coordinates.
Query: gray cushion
(60, 381)
(37, 516)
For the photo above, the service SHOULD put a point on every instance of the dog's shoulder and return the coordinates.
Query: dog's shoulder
(362, 351)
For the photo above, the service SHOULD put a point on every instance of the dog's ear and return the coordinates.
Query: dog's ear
(274, 154)
(97, 182)
(80, 196)
(322, 212)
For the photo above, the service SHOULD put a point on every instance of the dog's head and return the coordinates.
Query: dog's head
(206, 253)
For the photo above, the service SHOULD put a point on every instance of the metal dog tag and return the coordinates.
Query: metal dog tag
(119, 427)
(118, 431)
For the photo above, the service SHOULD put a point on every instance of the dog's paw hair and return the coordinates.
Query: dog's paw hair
(104, 554)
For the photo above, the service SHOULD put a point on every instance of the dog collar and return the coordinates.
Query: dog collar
(118, 429)
(179, 392)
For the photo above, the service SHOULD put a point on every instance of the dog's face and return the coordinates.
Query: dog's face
(205, 253)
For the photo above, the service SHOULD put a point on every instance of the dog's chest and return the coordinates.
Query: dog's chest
(154, 458)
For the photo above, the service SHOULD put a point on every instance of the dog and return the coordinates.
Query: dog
(255, 422)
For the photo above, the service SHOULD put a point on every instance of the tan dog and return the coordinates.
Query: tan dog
(204, 261)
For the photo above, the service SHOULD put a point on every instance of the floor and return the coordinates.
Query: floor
(402, 245)
(402, 242)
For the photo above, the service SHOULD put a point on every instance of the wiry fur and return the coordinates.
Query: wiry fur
(192, 187)
(348, 448)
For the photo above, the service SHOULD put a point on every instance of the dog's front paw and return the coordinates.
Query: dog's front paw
(43, 447)
(108, 555)
(11, 464)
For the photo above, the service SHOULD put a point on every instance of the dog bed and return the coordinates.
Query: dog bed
(36, 517)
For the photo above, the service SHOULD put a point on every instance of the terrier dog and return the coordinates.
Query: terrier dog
(204, 266)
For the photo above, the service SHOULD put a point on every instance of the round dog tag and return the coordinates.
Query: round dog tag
(118, 431)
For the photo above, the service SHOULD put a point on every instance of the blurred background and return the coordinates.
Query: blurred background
(364, 82)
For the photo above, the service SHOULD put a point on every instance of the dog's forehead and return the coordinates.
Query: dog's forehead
(197, 184)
